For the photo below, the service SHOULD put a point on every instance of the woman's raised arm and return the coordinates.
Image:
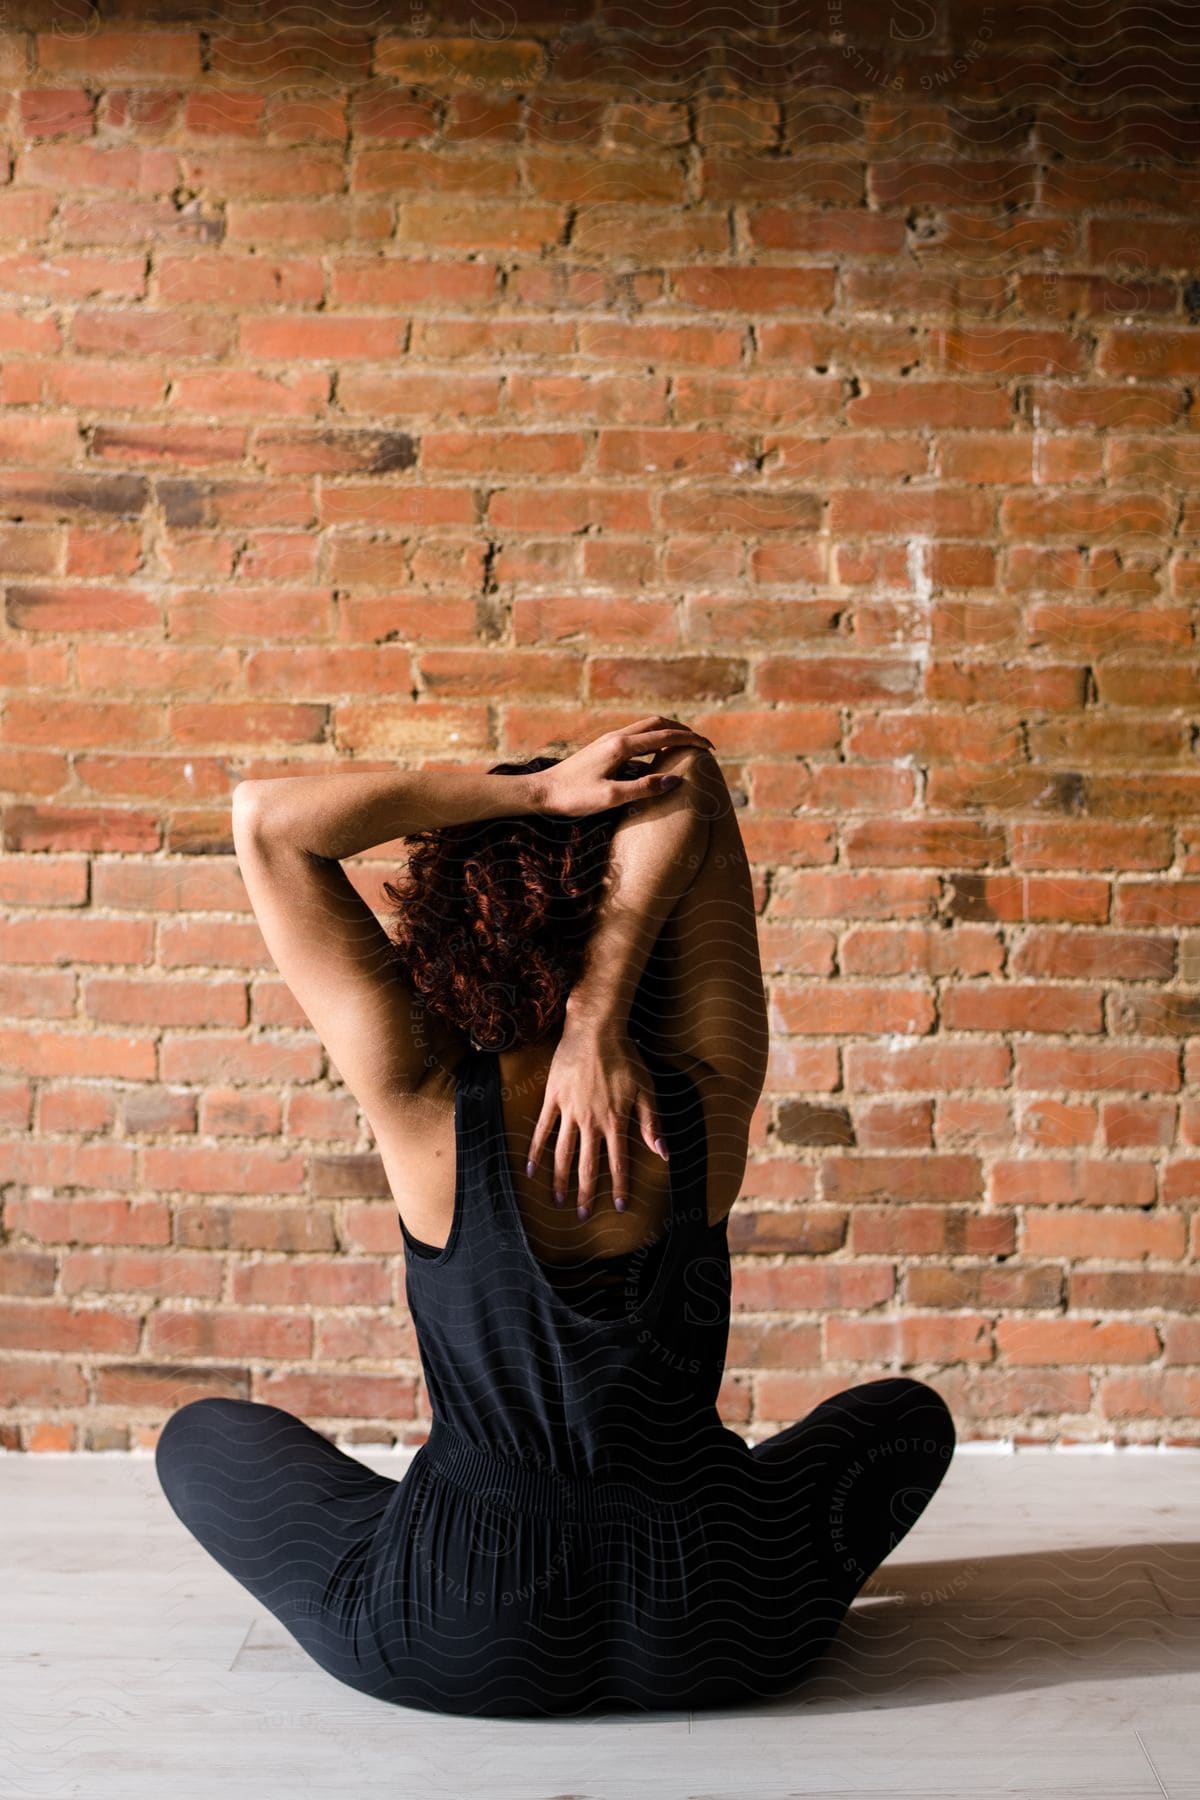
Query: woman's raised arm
(598, 1084)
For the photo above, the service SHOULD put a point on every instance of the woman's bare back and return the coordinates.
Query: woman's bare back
(416, 1146)
(700, 1007)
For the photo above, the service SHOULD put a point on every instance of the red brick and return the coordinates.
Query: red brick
(912, 181)
(46, 1325)
(42, 1383)
(334, 337)
(83, 1109)
(1074, 1182)
(1181, 1341)
(196, 1169)
(935, 512)
(450, 61)
(72, 1053)
(1106, 1066)
(1138, 1124)
(915, 1230)
(310, 223)
(760, 1346)
(222, 1331)
(1146, 353)
(27, 1273)
(895, 1125)
(159, 1002)
(1051, 1124)
(982, 1286)
(40, 995)
(973, 1007)
(807, 1231)
(354, 1395)
(852, 1008)
(141, 112)
(502, 453)
(161, 1273)
(56, 112)
(315, 1281)
(213, 1057)
(90, 1221)
(224, 112)
(114, 55)
(853, 1180)
(1135, 1290)
(1095, 1341)
(1156, 1394)
(166, 1386)
(321, 1115)
(911, 1338)
(1009, 350)
(811, 1288)
(150, 334)
(873, 1068)
(228, 1226)
(47, 1436)
(836, 178)
(371, 1336)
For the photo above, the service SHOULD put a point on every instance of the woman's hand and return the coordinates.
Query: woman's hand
(586, 782)
(597, 1081)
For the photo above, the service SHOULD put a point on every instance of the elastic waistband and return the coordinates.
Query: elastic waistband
(534, 1487)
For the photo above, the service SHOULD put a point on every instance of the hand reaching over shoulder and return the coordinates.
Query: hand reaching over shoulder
(597, 1085)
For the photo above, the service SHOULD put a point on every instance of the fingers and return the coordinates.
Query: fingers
(614, 1140)
(649, 787)
(641, 743)
(649, 1126)
(564, 1157)
(646, 724)
(688, 730)
(588, 1169)
(659, 722)
(541, 1135)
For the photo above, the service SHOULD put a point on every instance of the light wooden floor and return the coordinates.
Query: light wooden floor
(1038, 1634)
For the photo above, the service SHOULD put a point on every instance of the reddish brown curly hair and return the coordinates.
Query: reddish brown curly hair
(491, 920)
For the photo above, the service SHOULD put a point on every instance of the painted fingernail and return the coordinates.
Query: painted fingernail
(583, 1211)
(665, 783)
(529, 1167)
(661, 1148)
(619, 1204)
(559, 1199)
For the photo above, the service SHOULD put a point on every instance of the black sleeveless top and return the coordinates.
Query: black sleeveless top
(608, 1369)
(596, 1286)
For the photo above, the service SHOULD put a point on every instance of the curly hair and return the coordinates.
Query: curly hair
(491, 920)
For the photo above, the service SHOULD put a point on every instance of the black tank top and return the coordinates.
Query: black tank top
(610, 1372)
(596, 1286)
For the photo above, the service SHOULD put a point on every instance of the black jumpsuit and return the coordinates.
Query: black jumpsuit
(579, 1532)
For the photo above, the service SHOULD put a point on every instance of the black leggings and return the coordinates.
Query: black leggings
(299, 1523)
(869, 1461)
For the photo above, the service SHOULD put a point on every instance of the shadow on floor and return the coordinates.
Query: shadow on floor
(963, 1628)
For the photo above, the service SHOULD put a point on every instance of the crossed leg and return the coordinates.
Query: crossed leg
(283, 1510)
(860, 1470)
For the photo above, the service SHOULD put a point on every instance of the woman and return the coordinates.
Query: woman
(575, 949)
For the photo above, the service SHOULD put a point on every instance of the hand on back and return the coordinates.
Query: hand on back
(597, 1089)
(599, 1086)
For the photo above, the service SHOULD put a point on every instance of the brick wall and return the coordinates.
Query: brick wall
(410, 391)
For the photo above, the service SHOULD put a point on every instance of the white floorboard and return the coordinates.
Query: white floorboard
(1037, 1634)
